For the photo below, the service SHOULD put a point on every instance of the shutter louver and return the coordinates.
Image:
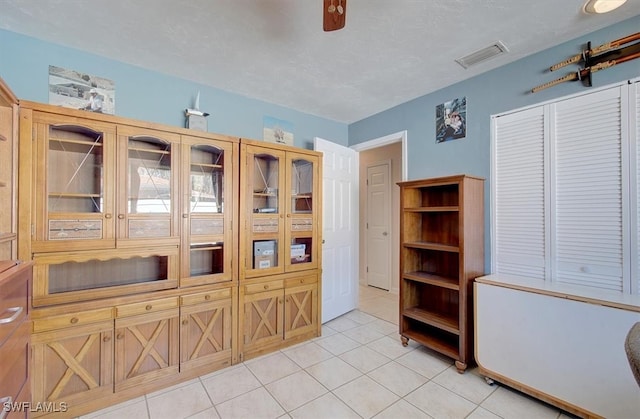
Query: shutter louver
(588, 241)
(519, 194)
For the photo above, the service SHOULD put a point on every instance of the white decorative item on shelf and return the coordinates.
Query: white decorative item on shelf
(196, 119)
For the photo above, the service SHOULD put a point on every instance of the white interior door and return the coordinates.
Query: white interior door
(339, 229)
(378, 234)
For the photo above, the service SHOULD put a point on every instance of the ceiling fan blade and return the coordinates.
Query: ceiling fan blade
(334, 14)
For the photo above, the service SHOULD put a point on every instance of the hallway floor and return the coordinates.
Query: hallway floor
(357, 369)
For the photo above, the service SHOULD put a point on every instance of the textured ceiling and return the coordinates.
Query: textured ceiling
(275, 50)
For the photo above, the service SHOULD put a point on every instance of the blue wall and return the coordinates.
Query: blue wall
(152, 96)
(493, 92)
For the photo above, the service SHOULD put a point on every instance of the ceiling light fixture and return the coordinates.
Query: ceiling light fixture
(602, 6)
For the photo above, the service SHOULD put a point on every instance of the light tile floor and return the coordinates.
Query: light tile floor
(357, 369)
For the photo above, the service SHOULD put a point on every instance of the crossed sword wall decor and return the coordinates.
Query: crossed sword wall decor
(595, 59)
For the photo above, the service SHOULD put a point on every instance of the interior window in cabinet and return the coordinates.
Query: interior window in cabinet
(148, 162)
(75, 184)
(65, 277)
(302, 183)
(263, 187)
(207, 211)
(8, 180)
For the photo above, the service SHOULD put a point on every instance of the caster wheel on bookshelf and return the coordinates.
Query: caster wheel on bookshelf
(405, 340)
(489, 381)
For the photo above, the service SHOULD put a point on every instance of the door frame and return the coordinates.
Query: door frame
(398, 137)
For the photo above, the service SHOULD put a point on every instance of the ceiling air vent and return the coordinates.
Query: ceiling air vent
(482, 55)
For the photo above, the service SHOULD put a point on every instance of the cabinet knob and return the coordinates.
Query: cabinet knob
(108, 216)
(302, 281)
(266, 287)
(120, 216)
(185, 215)
(288, 215)
(106, 338)
(74, 320)
(207, 297)
(148, 307)
(120, 336)
(185, 322)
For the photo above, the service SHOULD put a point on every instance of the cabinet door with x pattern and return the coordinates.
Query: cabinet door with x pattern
(300, 306)
(263, 315)
(146, 345)
(206, 329)
(73, 365)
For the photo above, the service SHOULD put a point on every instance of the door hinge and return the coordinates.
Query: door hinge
(33, 229)
(367, 269)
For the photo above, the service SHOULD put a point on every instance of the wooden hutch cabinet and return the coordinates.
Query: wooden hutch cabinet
(15, 275)
(279, 246)
(441, 253)
(159, 253)
(132, 228)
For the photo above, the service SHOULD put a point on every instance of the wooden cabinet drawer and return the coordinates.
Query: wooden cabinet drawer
(72, 319)
(204, 297)
(263, 286)
(145, 307)
(14, 301)
(14, 356)
(304, 280)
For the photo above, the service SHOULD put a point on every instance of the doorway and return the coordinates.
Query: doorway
(377, 244)
(391, 148)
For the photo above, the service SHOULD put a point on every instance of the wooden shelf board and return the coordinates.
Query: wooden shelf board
(441, 321)
(433, 209)
(149, 150)
(85, 143)
(210, 165)
(432, 246)
(432, 342)
(5, 237)
(205, 248)
(301, 196)
(433, 279)
(74, 195)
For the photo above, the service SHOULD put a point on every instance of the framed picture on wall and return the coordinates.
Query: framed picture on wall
(451, 120)
(277, 131)
(77, 90)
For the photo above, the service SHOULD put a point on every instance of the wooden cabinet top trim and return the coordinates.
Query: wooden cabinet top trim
(7, 98)
(119, 120)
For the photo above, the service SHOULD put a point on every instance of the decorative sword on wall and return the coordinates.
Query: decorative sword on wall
(596, 59)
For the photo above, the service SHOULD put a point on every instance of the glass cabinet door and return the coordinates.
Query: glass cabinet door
(75, 185)
(302, 183)
(148, 180)
(207, 207)
(264, 205)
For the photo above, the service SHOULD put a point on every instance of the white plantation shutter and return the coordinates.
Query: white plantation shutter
(588, 201)
(519, 217)
(565, 186)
